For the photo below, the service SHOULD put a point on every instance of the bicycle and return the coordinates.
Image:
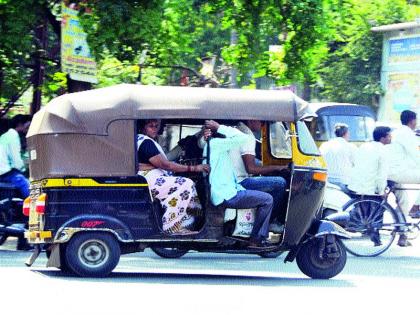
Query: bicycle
(374, 223)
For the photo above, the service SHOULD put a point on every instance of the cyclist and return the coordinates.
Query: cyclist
(404, 159)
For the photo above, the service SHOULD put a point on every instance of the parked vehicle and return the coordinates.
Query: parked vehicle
(88, 206)
(359, 118)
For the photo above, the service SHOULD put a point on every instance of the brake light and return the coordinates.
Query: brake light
(26, 206)
(40, 204)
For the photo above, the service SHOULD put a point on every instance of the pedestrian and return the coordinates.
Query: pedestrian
(339, 155)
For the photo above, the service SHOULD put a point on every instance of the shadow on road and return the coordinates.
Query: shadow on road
(201, 279)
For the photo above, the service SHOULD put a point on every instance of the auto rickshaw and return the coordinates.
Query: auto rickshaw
(359, 118)
(88, 205)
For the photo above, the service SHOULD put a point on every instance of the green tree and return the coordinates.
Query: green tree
(351, 73)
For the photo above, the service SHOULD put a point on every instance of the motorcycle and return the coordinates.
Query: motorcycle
(12, 222)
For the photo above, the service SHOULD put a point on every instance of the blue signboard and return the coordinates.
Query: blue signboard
(403, 50)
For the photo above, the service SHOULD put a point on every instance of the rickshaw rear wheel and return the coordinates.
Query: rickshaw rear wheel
(173, 253)
(311, 264)
(92, 254)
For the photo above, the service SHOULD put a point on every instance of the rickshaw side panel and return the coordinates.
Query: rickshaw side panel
(306, 196)
(92, 207)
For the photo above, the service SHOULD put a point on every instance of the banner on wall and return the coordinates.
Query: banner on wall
(402, 92)
(404, 50)
(76, 59)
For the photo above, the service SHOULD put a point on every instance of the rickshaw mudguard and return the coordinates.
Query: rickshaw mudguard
(322, 228)
(325, 227)
(86, 223)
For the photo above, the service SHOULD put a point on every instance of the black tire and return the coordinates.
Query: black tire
(92, 254)
(272, 255)
(369, 216)
(312, 265)
(167, 252)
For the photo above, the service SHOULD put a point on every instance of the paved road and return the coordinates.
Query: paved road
(201, 283)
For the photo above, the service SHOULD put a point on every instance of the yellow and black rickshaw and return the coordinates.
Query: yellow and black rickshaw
(88, 205)
(360, 119)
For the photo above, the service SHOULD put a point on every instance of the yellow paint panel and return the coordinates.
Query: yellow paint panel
(82, 182)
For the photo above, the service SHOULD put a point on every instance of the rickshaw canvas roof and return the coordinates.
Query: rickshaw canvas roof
(90, 112)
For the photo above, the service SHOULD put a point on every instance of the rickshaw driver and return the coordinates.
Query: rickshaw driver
(225, 189)
(244, 162)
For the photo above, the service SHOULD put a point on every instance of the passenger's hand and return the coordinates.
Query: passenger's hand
(212, 125)
(281, 167)
(201, 168)
(206, 134)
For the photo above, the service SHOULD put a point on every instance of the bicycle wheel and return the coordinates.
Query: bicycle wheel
(372, 227)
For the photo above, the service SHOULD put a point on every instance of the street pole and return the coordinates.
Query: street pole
(41, 38)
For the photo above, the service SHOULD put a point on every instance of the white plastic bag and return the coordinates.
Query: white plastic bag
(244, 222)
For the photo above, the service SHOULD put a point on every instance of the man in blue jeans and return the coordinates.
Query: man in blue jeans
(225, 188)
(245, 165)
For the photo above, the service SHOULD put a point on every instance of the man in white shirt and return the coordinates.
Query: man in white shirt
(12, 166)
(245, 166)
(404, 161)
(370, 171)
(339, 155)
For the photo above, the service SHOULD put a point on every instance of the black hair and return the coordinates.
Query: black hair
(4, 125)
(340, 129)
(380, 132)
(19, 119)
(407, 116)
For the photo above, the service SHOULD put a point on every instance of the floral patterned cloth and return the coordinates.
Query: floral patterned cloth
(178, 198)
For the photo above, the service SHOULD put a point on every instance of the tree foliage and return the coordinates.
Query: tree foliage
(351, 73)
(326, 44)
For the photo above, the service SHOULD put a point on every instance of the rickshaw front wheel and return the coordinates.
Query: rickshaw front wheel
(92, 254)
(314, 264)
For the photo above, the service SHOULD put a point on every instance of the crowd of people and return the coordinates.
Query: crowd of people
(392, 156)
(13, 169)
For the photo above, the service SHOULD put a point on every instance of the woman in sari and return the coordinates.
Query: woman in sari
(176, 194)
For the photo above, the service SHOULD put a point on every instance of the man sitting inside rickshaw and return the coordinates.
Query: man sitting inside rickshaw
(176, 194)
(225, 189)
(244, 162)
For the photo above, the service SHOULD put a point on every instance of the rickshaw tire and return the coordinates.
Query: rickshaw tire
(169, 253)
(310, 263)
(83, 249)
